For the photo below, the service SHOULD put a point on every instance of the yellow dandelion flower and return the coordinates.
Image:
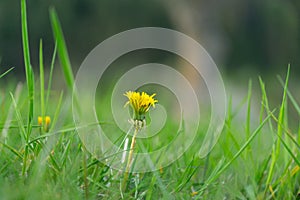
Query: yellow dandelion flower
(140, 102)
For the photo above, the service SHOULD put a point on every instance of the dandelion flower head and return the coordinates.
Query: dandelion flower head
(140, 102)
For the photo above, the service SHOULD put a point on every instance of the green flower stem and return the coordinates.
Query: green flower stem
(129, 160)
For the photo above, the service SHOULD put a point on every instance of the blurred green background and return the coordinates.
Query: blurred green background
(249, 35)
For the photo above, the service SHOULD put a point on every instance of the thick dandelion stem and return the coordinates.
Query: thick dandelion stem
(129, 160)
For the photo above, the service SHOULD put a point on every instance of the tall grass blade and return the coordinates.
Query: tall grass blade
(28, 68)
(62, 49)
(42, 83)
(248, 120)
(58, 109)
(50, 76)
(248, 110)
(25, 38)
(276, 147)
(265, 102)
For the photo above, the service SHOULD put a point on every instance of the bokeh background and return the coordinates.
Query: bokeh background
(252, 35)
(246, 39)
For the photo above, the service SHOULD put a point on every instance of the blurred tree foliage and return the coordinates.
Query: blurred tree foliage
(262, 34)
(85, 23)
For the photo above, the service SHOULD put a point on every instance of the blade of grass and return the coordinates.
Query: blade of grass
(285, 177)
(50, 76)
(64, 155)
(28, 68)
(262, 170)
(289, 150)
(7, 123)
(265, 102)
(19, 119)
(25, 38)
(62, 49)
(248, 119)
(248, 110)
(2, 75)
(238, 108)
(85, 173)
(287, 133)
(16, 126)
(187, 175)
(71, 129)
(42, 86)
(23, 134)
(298, 141)
(276, 147)
(13, 150)
(228, 123)
(291, 98)
(281, 118)
(163, 188)
(55, 165)
(56, 114)
(31, 101)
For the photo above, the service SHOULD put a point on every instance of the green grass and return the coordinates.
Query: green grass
(252, 160)
(62, 49)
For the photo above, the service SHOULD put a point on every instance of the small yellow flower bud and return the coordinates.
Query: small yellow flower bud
(47, 121)
(40, 121)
